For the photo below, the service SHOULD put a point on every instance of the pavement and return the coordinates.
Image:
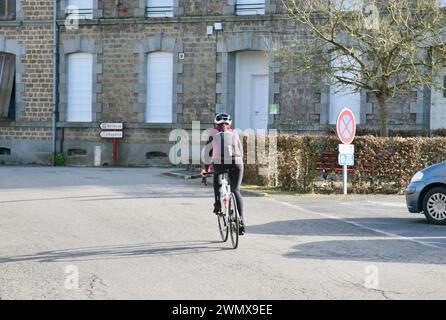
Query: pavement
(115, 233)
(193, 174)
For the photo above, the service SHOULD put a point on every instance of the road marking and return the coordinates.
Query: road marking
(376, 203)
(387, 204)
(388, 234)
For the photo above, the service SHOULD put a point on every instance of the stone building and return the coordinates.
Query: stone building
(157, 65)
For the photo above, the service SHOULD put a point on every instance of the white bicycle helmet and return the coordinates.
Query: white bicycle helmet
(223, 118)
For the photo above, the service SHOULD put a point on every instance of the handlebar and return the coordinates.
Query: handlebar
(205, 175)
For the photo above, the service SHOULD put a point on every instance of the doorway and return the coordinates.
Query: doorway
(251, 90)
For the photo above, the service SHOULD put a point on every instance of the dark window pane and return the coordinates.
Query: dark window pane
(444, 86)
(7, 76)
(2, 9)
(5, 151)
(11, 9)
(11, 113)
(7, 9)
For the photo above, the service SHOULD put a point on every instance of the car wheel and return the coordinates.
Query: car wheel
(434, 206)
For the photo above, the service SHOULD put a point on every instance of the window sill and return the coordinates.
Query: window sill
(78, 125)
(10, 22)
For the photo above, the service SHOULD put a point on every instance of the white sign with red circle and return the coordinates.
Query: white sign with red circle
(346, 126)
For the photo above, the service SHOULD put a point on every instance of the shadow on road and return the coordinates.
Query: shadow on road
(389, 250)
(407, 227)
(423, 240)
(120, 252)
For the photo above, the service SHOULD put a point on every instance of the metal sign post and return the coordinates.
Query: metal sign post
(345, 180)
(113, 131)
(346, 129)
(115, 151)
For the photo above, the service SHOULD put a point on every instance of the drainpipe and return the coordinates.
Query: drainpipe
(54, 102)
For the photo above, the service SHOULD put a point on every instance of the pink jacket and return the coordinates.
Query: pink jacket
(226, 146)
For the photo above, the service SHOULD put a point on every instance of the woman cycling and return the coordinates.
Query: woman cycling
(227, 154)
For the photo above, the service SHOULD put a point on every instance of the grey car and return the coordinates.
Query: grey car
(426, 193)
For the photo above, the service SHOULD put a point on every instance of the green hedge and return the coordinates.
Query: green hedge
(382, 165)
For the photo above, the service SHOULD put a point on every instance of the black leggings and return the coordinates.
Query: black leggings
(235, 176)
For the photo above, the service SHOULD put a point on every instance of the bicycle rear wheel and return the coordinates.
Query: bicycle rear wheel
(234, 221)
(223, 226)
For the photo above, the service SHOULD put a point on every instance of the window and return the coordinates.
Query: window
(159, 8)
(7, 86)
(7, 9)
(159, 87)
(82, 9)
(80, 87)
(77, 152)
(249, 7)
(5, 152)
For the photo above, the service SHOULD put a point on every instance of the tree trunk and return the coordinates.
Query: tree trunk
(383, 116)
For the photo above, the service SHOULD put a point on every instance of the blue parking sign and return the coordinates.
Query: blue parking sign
(346, 159)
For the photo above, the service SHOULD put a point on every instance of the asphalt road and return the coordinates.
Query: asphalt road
(84, 233)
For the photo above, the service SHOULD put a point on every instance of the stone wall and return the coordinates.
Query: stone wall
(120, 36)
(30, 39)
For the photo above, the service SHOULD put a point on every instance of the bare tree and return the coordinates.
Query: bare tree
(385, 47)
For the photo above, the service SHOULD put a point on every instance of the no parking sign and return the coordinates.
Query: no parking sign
(346, 128)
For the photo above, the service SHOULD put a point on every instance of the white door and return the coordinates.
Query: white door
(340, 99)
(438, 107)
(259, 102)
(251, 90)
(341, 96)
(80, 87)
(159, 87)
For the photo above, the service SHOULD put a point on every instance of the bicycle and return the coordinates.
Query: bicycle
(229, 218)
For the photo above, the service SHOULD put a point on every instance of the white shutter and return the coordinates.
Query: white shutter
(160, 8)
(80, 87)
(84, 7)
(250, 7)
(159, 87)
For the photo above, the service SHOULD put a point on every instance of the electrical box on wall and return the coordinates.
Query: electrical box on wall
(181, 56)
(210, 30)
(218, 26)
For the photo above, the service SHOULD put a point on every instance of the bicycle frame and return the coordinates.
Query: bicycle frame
(225, 192)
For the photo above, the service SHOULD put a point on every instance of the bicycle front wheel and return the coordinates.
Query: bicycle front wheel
(234, 221)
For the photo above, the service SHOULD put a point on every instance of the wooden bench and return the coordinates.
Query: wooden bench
(328, 162)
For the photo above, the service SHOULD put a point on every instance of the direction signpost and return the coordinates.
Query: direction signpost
(115, 132)
(112, 134)
(346, 129)
(112, 126)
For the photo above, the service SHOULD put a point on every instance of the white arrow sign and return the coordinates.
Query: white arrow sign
(112, 134)
(112, 126)
(347, 149)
